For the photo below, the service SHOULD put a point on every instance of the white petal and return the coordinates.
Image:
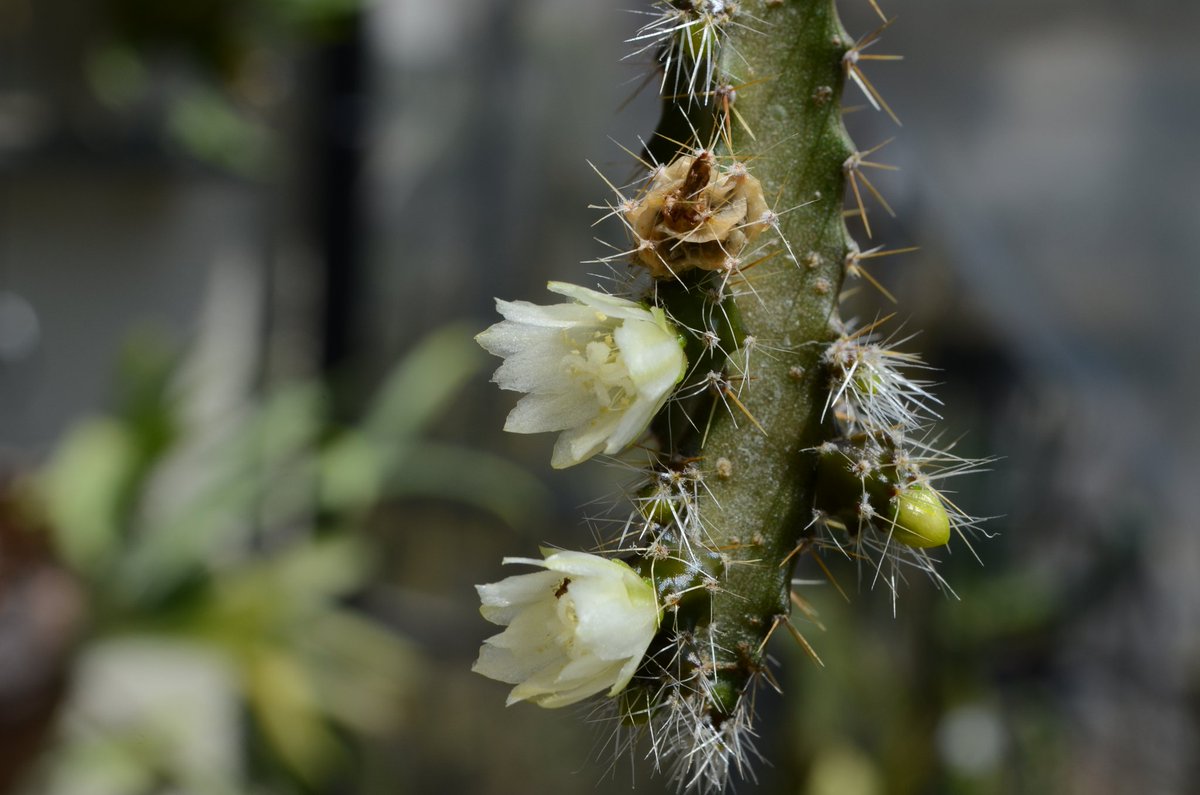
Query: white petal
(565, 699)
(535, 628)
(552, 696)
(611, 627)
(530, 373)
(653, 355)
(552, 316)
(583, 441)
(631, 425)
(542, 347)
(508, 665)
(588, 669)
(583, 564)
(502, 599)
(563, 645)
(626, 673)
(536, 413)
(609, 305)
(512, 339)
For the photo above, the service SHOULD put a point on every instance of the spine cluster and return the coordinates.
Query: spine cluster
(768, 433)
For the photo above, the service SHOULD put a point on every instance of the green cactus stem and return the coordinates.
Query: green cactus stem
(789, 432)
(754, 458)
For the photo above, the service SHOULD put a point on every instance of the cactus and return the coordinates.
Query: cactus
(791, 434)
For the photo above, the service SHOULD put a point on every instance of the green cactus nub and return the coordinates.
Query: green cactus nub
(918, 517)
(862, 485)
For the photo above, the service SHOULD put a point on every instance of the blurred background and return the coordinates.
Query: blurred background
(250, 465)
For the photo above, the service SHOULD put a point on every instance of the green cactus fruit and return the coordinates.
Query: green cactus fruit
(918, 517)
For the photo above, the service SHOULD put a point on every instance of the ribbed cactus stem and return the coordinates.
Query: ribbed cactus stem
(759, 482)
(773, 431)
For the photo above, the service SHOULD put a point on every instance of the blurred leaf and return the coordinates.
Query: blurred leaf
(113, 762)
(235, 476)
(212, 129)
(430, 469)
(277, 598)
(84, 490)
(94, 482)
(351, 473)
(291, 421)
(362, 669)
(321, 570)
(841, 769)
(116, 74)
(285, 705)
(146, 370)
(149, 715)
(422, 385)
(146, 367)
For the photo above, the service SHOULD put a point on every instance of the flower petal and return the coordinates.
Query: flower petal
(580, 627)
(579, 443)
(597, 370)
(501, 600)
(552, 316)
(535, 413)
(609, 305)
(653, 356)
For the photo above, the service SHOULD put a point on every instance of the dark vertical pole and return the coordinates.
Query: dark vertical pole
(340, 106)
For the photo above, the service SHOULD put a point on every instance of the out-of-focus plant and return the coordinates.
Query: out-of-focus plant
(217, 562)
(207, 75)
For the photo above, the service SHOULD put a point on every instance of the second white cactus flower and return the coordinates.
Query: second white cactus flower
(598, 369)
(579, 627)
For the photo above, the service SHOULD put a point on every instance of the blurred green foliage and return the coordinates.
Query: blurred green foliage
(227, 552)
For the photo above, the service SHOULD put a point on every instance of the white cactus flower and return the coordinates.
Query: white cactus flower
(579, 627)
(598, 369)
